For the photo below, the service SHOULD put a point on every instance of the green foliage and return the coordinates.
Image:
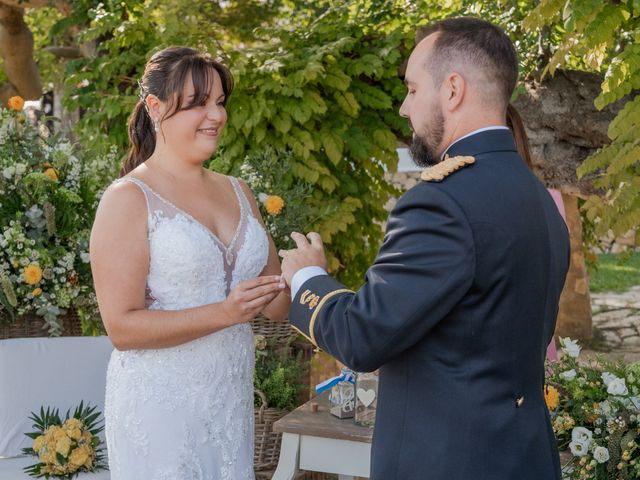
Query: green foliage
(605, 37)
(317, 81)
(278, 374)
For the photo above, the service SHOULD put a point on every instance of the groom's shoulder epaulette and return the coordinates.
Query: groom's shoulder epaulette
(309, 302)
(446, 167)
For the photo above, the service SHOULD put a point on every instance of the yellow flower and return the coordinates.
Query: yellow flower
(36, 292)
(63, 445)
(38, 443)
(551, 397)
(274, 204)
(16, 103)
(80, 456)
(32, 274)
(51, 173)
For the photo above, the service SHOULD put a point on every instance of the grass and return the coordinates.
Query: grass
(615, 272)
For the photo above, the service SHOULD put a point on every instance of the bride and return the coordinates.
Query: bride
(181, 263)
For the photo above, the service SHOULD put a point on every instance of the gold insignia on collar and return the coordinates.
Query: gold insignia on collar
(446, 167)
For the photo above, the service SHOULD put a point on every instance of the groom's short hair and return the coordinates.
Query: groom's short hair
(474, 42)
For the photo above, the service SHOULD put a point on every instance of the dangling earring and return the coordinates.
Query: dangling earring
(156, 125)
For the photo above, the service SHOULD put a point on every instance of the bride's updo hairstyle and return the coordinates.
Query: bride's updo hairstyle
(164, 76)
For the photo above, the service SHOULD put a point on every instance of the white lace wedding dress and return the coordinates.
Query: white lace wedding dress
(186, 412)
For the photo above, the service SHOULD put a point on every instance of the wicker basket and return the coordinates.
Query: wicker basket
(279, 332)
(267, 443)
(34, 326)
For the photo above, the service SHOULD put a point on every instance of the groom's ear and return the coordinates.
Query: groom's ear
(454, 89)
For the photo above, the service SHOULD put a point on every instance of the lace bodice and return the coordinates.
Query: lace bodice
(186, 412)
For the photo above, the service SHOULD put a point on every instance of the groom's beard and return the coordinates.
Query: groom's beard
(423, 148)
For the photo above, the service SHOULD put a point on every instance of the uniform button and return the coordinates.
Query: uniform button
(519, 401)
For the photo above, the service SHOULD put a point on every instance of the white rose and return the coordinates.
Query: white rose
(84, 257)
(9, 172)
(570, 347)
(579, 448)
(601, 454)
(617, 387)
(582, 434)
(569, 374)
(21, 168)
(607, 378)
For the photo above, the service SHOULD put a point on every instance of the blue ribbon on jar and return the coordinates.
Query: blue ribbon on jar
(346, 375)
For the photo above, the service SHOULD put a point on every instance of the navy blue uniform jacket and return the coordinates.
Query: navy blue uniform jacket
(456, 312)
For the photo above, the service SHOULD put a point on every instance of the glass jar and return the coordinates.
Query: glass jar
(366, 398)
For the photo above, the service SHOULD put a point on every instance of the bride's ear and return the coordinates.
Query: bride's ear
(153, 106)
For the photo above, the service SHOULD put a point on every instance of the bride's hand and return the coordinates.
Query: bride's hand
(250, 297)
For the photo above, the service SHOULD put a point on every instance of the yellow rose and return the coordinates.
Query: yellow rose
(551, 397)
(51, 173)
(63, 445)
(72, 423)
(32, 274)
(86, 437)
(79, 456)
(274, 204)
(38, 443)
(36, 292)
(16, 103)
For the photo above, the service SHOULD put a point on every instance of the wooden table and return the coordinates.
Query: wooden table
(320, 442)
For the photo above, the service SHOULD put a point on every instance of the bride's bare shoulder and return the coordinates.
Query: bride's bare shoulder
(124, 199)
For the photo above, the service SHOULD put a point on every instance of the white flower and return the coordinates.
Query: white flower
(601, 454)
(579, 448)
(605, 408)
(262, 197)
(9, 172)
(84, 256)
(570, 347)
(569, 374)
(617, 387)
(21, 168)
(582, 434)
(607, 378)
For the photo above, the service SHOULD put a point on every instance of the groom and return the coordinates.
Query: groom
(461, 302)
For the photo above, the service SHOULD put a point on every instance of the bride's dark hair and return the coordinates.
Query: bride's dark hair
(164, 76)
(514, 122)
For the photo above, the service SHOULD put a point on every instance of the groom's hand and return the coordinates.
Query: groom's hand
(309, 253)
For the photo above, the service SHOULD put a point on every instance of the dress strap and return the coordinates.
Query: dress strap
(143, 186)
(242, 198)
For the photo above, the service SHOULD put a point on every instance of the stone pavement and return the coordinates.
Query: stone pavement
(616, 324)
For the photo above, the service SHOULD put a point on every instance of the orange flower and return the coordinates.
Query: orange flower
(32, 274)
(51, 173)
(551, 397)
(274, 204)
(37, 292)
(16, 103)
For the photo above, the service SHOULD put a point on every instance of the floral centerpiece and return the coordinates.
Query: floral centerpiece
(595, 412)
(48, 197)
(66, 448)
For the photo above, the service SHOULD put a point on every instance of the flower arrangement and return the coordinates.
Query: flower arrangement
(282, 199)
(595, 412)
(48, 197)
(66, 448)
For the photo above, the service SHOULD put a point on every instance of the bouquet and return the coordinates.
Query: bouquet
(66, 448)
(48, 197)
(595, 412)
